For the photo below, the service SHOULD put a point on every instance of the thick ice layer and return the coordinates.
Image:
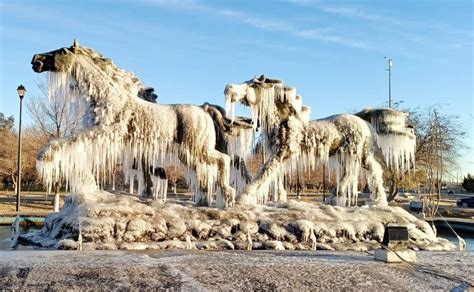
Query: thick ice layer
(123, 222)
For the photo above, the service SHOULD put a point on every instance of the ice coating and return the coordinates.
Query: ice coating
(241, 144)
(345, 143)
(395, 138)
(123, 222)
(267, 101)
(398, 151)
(123, 128)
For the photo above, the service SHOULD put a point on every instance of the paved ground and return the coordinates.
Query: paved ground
(230, 270)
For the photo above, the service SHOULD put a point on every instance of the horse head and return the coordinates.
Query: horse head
(82, 72)
(270, 100)
(63, 59)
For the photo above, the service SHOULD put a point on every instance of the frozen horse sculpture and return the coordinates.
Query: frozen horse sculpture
(121, 127)
(344, 143)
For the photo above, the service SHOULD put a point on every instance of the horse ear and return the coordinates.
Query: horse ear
(75, 44)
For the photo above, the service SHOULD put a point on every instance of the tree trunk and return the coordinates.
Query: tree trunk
(56, 196)
(14, 181)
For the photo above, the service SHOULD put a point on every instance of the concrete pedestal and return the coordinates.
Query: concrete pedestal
(390, 257)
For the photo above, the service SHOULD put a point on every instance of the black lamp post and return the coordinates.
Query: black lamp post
(21, 93)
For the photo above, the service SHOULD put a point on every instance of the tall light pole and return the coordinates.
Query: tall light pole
(21, 93)
(389, 82)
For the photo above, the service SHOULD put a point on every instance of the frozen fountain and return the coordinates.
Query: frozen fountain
(122, 127)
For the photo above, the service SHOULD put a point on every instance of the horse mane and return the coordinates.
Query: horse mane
(127, 79)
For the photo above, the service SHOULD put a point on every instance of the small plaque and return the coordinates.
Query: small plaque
(394, 233)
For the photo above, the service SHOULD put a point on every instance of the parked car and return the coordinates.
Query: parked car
(466, 202)
(416, 206)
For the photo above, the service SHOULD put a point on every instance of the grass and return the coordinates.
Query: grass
(31, 202)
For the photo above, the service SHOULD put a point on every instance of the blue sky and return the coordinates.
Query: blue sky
(332, 51)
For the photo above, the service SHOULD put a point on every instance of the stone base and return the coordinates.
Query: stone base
(116, 221)
(387, 256)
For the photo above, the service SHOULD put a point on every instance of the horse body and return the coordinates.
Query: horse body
(347, 146)
(122, 127)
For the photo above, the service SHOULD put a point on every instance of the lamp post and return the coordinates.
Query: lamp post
(389, 82)
(21, 93)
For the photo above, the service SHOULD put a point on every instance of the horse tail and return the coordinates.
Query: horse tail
(224, 125)
(221, 126)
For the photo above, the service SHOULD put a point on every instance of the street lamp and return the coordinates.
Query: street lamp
(21, 93)
(389, 82)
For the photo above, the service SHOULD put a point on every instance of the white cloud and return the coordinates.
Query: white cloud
(328, 35)
(263, 23)
(382, 18)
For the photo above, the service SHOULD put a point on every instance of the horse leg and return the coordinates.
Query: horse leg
(223, 164)
(256, 191)
(343, 190)
(281, 192)
(375, 180)
(196, 183)
(148, 183)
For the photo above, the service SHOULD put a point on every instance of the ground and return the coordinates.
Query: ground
(226, 270)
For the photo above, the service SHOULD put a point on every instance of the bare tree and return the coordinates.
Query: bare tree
(8, 152)
(32, 142)
(440, 139)
(55, 114)
(175, 173)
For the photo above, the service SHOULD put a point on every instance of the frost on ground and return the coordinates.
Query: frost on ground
(231, 270)
(110, 221)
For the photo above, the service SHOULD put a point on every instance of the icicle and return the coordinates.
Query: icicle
(241, 143)
(396, 141)
(398, 151)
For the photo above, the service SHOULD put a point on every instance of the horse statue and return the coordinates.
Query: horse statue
(122, 127)
(344, 143)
